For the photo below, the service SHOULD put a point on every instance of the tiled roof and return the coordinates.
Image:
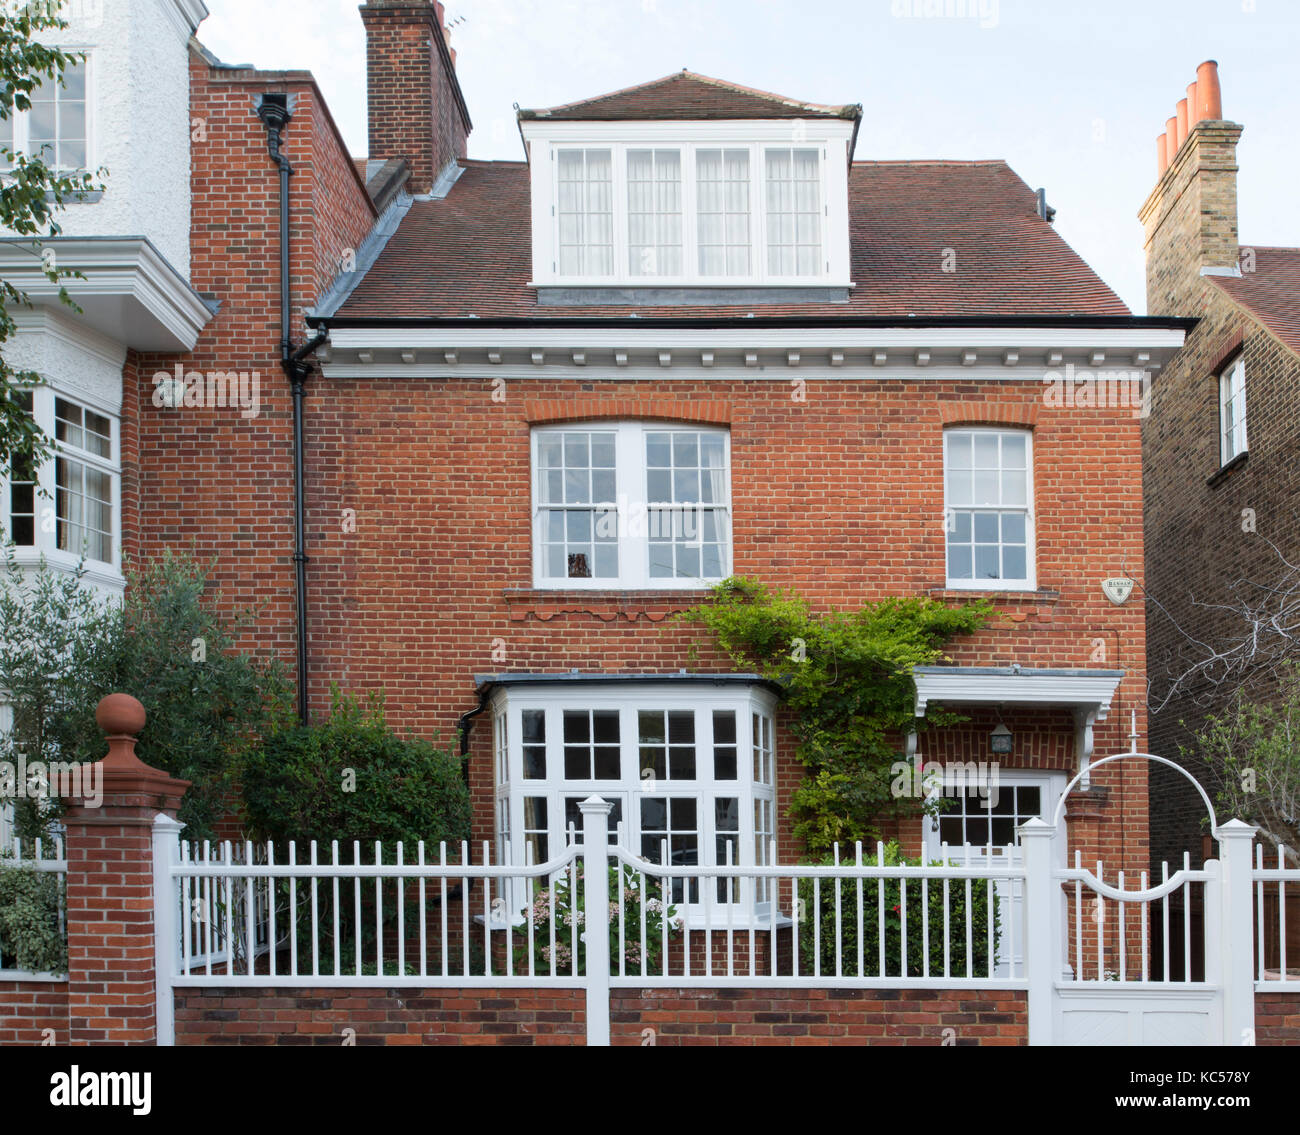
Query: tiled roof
(1271, 292)
(686, 95)
(469, 254)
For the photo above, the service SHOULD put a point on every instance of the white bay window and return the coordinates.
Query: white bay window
(687, 766)
(630, 505)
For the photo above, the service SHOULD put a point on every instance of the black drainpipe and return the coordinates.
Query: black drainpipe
(273, 110)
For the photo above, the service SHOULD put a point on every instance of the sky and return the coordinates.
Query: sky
(1071, 94)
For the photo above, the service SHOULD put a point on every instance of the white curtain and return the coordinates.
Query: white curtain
(722, 186)
(585, 213)
(654, 212)
(793, 213)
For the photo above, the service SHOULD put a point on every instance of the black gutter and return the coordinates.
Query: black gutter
(698, 323)
(273, 110)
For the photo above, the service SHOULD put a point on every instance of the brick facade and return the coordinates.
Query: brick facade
(1190, 503)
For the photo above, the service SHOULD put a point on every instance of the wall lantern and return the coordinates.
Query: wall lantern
(1000, 739)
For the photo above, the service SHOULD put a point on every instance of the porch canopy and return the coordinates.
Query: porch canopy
(1087, 693)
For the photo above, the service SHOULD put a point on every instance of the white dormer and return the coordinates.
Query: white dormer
(680, 184)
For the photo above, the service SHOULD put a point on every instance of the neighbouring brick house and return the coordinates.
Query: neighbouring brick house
(692, 301)
(1220, 447)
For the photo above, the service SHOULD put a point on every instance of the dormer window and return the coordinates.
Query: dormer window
(687, 190)
(690, 214)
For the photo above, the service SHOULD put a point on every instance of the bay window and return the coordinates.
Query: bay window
(687, 766)
(988, 515)
(66, 508)
(631, 505)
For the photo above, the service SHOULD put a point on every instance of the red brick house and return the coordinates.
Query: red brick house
(697, 332)
(1219, 451)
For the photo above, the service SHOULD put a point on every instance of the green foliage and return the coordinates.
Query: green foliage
(31, 194)
(1254, 749)
(350, 777)
(63, 647)
(821, 897)
(31, 936)
(566, 914)
(847, 677)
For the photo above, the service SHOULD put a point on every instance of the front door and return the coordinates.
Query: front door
(981, 821)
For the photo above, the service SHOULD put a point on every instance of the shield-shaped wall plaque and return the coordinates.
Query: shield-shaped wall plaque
(1117, 589)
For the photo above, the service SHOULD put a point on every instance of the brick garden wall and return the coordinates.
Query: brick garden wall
(380, 1016)
(1277, 1018)
(29, 1008)
(557, 1017)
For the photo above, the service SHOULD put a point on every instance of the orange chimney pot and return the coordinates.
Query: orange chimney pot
(1180, 115)
(1171, 133)
(1193, 107)
(1162, 154)
(1208, 93)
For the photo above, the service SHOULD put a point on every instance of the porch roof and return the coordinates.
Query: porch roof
(1087, 691)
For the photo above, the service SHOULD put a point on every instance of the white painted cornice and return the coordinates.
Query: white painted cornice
(977, 353)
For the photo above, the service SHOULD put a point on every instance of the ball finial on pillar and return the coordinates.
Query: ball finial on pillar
(121, 717)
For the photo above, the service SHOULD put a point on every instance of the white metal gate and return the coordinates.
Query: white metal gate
(1103, 933)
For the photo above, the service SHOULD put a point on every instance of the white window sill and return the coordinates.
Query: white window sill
(96, 572)
(990, 585)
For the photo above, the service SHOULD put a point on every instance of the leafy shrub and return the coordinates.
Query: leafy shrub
(566, 913)
(350, 777)
(31, 935)
(846, 934)
(170, 642)
(848, 690)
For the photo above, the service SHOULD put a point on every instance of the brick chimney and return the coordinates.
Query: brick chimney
(1191, 215)
(416, 108)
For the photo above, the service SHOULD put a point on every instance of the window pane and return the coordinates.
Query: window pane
(584, 212)
(987, 468)
(793, 213)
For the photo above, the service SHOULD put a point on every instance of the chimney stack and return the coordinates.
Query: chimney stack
(415, 106)
(1190, 216)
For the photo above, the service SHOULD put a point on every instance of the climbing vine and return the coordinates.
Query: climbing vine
(848, 685)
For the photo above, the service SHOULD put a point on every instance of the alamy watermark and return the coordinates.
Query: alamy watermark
(216, 389)
(1080, 388)
(984, 12)
(928, 779)
(40, 780)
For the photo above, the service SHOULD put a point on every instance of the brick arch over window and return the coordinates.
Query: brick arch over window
(652, 409)
(989, 414)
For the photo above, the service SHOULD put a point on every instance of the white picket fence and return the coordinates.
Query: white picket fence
(46, 857)
(1280, 879)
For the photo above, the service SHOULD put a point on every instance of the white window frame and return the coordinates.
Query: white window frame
(747, 702)
(631, 507)
(21, 119)
(46, 534)
(1030, 582)
(829, 138)
(1233, 411)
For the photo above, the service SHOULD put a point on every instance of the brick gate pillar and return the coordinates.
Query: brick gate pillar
(110, 885)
